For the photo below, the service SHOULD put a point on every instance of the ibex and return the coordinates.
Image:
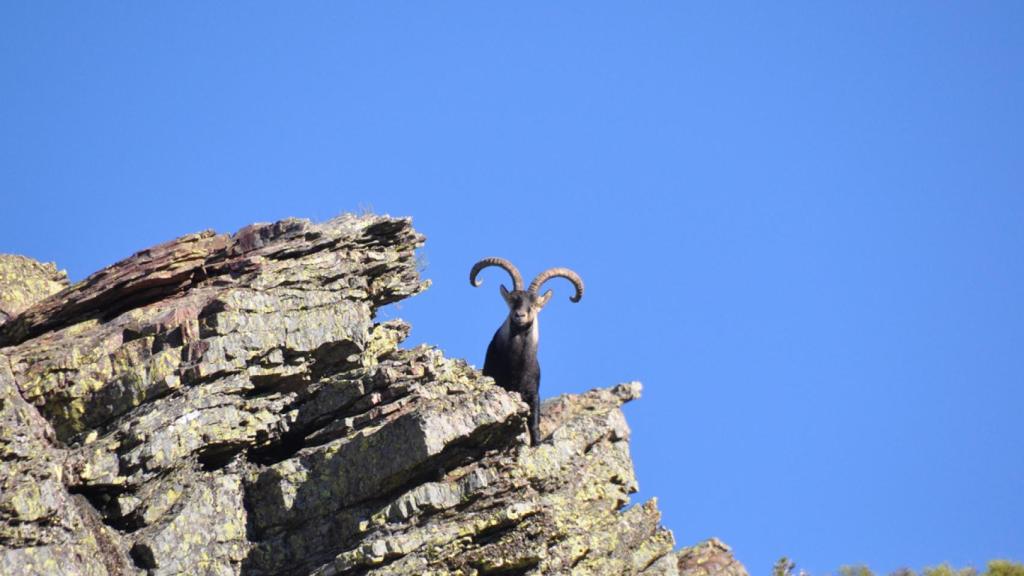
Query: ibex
(512, 354)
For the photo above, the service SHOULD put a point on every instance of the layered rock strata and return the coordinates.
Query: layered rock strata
(228, 404)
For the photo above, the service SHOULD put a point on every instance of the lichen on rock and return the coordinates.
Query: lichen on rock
(25, 282)
(230, 404)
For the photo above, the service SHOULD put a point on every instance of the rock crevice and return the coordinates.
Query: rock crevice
(229, 404)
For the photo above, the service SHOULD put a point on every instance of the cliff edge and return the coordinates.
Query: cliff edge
(227, 404)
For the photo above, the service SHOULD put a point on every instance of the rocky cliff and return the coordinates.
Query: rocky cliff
(227, 404)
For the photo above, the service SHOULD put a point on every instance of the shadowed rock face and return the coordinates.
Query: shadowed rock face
(227, 404)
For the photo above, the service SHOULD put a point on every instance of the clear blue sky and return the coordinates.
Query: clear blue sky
(801, 225)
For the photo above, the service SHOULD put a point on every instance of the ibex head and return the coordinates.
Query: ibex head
(524, 305)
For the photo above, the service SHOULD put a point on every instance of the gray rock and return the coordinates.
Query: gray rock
(228, 404)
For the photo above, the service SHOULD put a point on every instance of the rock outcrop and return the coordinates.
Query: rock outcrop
(24, 282)
(227, 404)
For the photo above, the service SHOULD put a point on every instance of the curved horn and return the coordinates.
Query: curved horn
(517, 280)
(558, 272)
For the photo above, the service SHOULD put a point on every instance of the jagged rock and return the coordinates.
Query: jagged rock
(44, 529)
(709, 558)
(23, 282)
(227, 404)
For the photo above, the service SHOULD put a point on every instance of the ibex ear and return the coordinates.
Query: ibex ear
(504, 293)
(543, 300)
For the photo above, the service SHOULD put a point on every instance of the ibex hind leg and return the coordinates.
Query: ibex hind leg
(533, 399)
